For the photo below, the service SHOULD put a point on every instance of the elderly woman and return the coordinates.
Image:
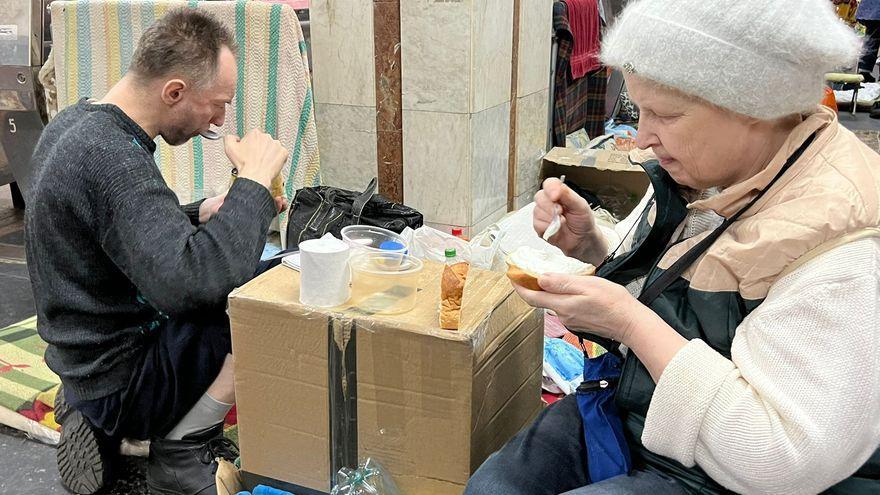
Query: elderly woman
(754, 364)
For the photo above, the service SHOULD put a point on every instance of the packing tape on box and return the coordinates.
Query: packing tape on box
(342, 353)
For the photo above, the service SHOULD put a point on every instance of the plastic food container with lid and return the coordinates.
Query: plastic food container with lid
(384, 283)
(366, 238)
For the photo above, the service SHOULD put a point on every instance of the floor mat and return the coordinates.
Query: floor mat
(27, 385)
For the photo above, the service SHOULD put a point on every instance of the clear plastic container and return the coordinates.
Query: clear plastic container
(366, 238)
(384, 283)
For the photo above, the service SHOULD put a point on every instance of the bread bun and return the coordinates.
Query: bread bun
(526, 264)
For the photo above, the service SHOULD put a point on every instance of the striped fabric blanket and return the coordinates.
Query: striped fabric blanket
(93, 41)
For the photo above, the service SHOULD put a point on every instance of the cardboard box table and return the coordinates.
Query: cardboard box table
(321, 389)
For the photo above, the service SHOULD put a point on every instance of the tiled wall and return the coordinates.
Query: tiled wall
(455, 80)
(345, 90)
(533, 92)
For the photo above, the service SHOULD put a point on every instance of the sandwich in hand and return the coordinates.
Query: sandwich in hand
(526, 264)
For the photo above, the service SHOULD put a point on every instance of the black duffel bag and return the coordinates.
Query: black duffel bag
(316, 211)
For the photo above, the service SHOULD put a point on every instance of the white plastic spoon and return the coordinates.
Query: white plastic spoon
(556, 223)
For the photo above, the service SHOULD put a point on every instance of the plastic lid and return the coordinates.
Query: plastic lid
(450, 252)
(457, 232)
(391, 246)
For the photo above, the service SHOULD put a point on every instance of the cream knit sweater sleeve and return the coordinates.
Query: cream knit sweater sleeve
(797, 408)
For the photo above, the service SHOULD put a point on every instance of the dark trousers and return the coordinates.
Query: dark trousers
(181, 359)
(872, 46)
(549, 457)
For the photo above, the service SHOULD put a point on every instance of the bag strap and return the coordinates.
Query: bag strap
(661, 283)
(360, 202)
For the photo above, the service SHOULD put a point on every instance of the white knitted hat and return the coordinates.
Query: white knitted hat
(765, 59)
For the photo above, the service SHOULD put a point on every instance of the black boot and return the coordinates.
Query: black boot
(875, 110)
(85, 455)
(187, 467)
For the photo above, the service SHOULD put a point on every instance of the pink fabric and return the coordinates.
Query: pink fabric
(553, 328)
(583, 17)
(296, 4)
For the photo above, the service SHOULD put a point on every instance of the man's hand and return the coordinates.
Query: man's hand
(257, 156)
(210, 207)
(280, 204)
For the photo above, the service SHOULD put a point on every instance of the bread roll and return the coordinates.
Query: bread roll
(451, 291)
(526, 264)
(277, 188)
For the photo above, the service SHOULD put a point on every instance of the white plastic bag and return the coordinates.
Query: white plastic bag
(518, 229)
(485, 247)
(430, 244)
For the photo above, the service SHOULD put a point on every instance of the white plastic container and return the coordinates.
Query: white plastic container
(385, 283)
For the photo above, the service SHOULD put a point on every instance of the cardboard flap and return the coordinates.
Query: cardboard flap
(617, 161)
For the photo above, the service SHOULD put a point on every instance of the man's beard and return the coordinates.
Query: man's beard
(177, 136)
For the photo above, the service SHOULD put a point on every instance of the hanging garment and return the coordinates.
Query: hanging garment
(578, 103)
(583, 17)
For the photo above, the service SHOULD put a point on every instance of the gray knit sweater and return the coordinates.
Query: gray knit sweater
(111, 252)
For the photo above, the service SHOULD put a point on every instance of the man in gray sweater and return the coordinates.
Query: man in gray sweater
(131, 286)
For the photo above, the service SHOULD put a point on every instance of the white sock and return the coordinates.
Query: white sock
(207, 412)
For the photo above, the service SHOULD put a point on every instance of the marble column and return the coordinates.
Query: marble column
(343, 78)
(533, 95)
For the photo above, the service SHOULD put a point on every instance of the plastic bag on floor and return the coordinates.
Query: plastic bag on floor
(370, 478)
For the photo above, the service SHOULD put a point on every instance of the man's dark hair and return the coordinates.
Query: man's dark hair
(184, 42)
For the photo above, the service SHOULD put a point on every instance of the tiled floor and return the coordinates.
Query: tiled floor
(27, 467)
(16, 301)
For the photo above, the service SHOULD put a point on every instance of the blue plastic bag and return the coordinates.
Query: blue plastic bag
(563, 364)
(607, 451)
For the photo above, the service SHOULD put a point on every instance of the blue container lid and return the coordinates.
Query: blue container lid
(391, 246)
